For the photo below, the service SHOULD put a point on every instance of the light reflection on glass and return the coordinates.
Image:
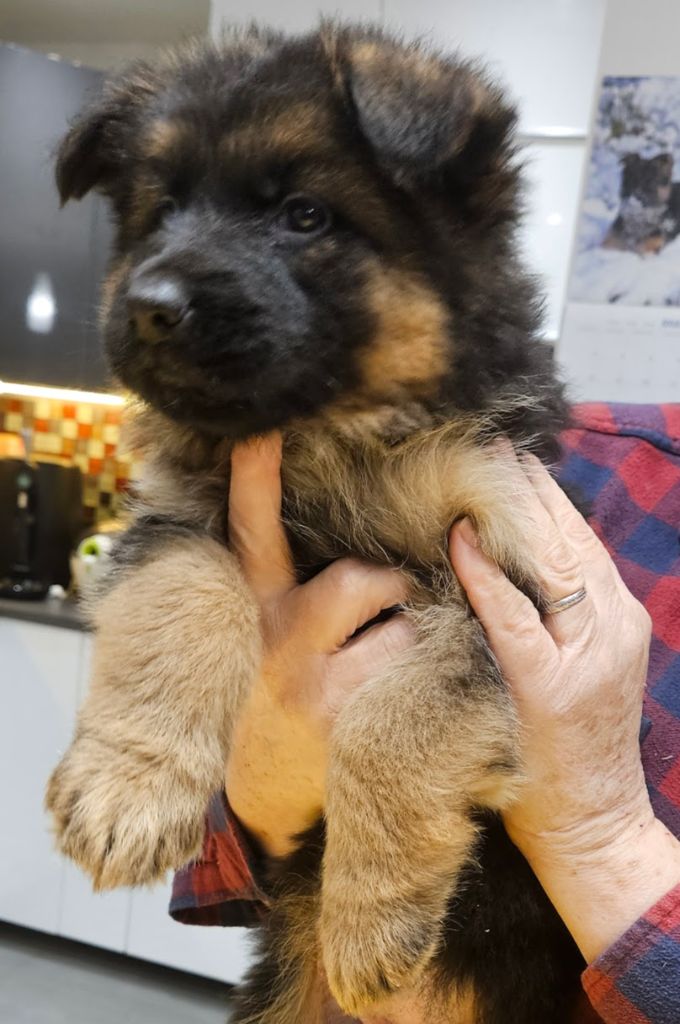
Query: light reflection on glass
(41, 309)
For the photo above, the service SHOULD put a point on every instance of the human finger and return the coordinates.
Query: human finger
(577, 531)
(343, 598)
(256, 533)
(511, 622)
(367, 656)
(555, 564)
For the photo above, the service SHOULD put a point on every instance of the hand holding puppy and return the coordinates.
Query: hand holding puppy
(583, 821)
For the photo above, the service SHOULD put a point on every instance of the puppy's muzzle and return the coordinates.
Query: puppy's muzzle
(157, 306)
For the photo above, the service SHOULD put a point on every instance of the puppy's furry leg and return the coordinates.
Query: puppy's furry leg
(412, 754)
(177, 644)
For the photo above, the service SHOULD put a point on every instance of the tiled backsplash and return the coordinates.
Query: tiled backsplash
(81, 434)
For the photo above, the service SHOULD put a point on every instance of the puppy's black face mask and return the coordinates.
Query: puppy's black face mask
(246, 296)
(298, 223)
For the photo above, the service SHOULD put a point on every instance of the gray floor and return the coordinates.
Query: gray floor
(52, 981)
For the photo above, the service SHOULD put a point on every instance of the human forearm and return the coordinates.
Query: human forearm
(270, 748)
(599, 892)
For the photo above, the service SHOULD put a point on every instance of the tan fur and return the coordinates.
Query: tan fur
(110, 285)
(163, 136)
(416, 833)
(295, 130)
(129, 797)
(405, 309)
(146, 195)
(369, 493)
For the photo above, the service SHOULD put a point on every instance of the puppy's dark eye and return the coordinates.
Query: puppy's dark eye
(305, 215)
(166, 206)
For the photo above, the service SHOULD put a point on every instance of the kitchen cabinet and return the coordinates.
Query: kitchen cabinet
(43, 677)
(38, 677)
(51, 260)
(222, 953)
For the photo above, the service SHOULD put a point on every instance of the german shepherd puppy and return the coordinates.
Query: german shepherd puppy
(647, 217)
(317, 234)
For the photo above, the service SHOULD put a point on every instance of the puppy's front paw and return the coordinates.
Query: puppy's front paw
(370, 950)
(123, 816)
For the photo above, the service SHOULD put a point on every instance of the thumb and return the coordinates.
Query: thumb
(344, 597)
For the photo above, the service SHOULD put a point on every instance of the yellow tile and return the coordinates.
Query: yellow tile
(40, 442)
(50, 443)
(82, 462)
(95, 449)
(14, 421)
(111, 433)
(69, 428)
(84, 413)
(42, 409)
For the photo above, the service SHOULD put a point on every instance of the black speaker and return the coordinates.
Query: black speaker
(41, 515)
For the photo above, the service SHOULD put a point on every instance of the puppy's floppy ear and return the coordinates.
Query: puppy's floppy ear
(422, 112)
(81, 159)
(91, 153)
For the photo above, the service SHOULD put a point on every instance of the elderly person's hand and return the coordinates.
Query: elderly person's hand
(583, 820)
(277, 765)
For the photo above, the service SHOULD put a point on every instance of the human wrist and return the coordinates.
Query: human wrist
(270, 778)
(601, 887)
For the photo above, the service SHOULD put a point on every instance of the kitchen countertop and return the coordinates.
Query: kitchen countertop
(51, 611)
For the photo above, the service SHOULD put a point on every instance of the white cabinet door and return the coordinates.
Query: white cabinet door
(222, 953)
(38, 686)
(98, 918)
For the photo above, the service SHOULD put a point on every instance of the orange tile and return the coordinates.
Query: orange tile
(112, 416)
(68, 445)
(69, 412)
(84, 430)
(109, 450)
(95, 466)
(16, 405)
(41, 425)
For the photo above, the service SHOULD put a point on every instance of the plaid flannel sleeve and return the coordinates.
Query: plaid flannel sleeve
(220, 888)
(637, 980)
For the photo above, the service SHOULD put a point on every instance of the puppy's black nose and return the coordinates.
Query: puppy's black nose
(156, 307)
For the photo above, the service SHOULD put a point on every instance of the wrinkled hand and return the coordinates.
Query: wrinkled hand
(276, 770)
(584, 820)
(577, 676)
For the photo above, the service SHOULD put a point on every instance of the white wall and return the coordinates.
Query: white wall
(641, 37)
(546, 51)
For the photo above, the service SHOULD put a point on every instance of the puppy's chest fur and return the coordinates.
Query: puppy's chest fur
(352, 491)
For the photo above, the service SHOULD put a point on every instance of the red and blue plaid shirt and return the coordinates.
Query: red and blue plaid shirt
(625, 460)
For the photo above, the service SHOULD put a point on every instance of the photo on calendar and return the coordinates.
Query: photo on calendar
(628, 243)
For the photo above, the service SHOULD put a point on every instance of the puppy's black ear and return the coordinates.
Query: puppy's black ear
(81, 159)
(91, 153)
(422, 112)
